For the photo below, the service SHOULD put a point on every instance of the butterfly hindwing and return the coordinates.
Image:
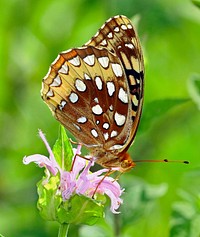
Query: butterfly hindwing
(119, 36)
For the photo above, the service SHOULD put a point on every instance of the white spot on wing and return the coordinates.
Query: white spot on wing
(106, 136)
(129, 26)
(89, 60)
(82, 119)
(119, 119)
(113, 133)
(110, 87)
(103, 42)
(94, 133)
(111, 107)
(97, 109)
(96, 100)
(50, 93)
(62, 104)
(106, 125)
(104, 61)
(64, 69)
(124, 27)
(138, 81)
(99, 83)
(97, 122)
(117, 69)
(73, 97)
(56, 81)
(123, 95)
(76, 126)
(75, 61)
(116, 29)
(130, 46)
(87, 77)
(80, 85)
(110, 35)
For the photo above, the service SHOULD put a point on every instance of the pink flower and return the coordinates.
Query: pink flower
(79, 180)
(43, 161)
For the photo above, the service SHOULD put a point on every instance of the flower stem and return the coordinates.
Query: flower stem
(63, 230)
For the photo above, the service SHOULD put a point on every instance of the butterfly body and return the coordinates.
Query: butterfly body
(96, 92)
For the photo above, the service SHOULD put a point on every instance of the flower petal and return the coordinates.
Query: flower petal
(115, 201)
(79, 164)
(51, 155)
(110, 187)
(68, 185)
(41, 161)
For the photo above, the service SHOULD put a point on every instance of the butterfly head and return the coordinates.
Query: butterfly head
(126, 163)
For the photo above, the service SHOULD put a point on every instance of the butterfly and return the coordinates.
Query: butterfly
(96, 92)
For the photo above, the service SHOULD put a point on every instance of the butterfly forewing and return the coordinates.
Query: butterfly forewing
(96, 91)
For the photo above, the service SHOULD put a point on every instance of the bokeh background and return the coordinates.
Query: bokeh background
(161, 199)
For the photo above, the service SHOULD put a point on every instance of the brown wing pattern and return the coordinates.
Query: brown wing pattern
(96, 91)
(82, 89)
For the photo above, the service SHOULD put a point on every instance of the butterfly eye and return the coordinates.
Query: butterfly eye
(96, 92)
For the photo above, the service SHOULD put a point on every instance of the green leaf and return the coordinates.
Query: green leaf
(80, 210)
(196, 3)
(157, 108)
(62, 150)
(194, 88)
(185, 217)
(141, 198)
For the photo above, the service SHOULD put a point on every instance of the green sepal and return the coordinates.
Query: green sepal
(77, 210)
(49, 198)
(80, 209)
(62, 150)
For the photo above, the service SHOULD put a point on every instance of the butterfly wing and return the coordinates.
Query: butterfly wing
(87, 92)
(119, 36)
(96, 91)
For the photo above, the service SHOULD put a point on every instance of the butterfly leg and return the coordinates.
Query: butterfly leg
(117, 177)
(83, 157)
(110, 171)
(73, 142)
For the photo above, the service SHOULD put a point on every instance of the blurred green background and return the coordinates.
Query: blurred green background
(160, 199)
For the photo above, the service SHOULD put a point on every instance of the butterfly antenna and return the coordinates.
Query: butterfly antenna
(165, 160)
